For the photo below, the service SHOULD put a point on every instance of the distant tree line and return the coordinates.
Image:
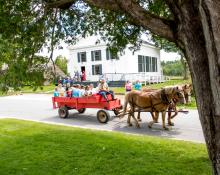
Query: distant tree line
(173, 68)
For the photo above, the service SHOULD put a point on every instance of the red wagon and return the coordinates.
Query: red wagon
(80, 104)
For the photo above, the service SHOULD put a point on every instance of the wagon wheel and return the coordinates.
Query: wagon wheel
(82, 110)
(103, 116)
(63, 112)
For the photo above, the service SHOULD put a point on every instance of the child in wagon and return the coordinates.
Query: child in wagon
(76, 92)
(61, 90)
(56, 93)
(92, 89)
(87, 91)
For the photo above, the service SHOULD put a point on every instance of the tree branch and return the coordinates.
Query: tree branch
(62, 4)
(137, 14)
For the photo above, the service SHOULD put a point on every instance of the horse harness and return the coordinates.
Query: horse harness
(164, 100)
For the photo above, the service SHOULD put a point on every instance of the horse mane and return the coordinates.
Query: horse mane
(163, 96)
(166, 93)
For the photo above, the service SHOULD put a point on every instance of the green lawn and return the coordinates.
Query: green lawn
(155, 86)
(43, 89)
(40, 149)
(171, 82)
(29, 89)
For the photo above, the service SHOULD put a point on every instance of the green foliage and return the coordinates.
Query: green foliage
(20, 38)
(173, 68)
(61, 62)
(34, 148)
(29, 25)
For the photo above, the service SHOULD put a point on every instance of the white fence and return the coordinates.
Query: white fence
(147, 79)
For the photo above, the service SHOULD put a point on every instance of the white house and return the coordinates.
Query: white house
(96, 60)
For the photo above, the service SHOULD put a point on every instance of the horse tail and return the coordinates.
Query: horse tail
(125, 103)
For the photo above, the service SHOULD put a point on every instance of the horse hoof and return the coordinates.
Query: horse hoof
(139, 120)
(171, 124)
(149, 126)
(165, 128)
(129, 124)
(138, 126)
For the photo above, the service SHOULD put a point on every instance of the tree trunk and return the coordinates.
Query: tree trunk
(200, 34)
(185, 68)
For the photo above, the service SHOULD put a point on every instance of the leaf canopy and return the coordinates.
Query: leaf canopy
(29, 25)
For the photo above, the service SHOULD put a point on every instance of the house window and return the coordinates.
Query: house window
(147, 64)
(81, 56)
(97, 69)
(96, 55)
(109, 55)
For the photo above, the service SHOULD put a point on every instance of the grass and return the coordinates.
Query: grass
(156, 86)
(169, 83)
(43, 89)
(191, 105)
(29, 89)
(33, 148)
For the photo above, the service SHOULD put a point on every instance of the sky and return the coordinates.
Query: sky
(57, 52)
(164, 56)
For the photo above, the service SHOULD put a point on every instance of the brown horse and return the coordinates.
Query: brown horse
(187, 88)
(155, 101)
(171, 107)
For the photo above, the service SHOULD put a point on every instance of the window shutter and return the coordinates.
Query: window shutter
(150, 64)
(100, 68)
(92, 55)
(100, 55)
(107, 54)
(93, 70)
(78, 56)
(85, 57)
(154, 64)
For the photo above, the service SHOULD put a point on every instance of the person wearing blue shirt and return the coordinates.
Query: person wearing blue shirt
(137, 85)
(56, 93)
(76, 91)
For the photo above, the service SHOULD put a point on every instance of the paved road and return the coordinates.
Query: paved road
(38, 107)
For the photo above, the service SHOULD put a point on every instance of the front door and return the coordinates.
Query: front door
(83, 69)
(83, 73)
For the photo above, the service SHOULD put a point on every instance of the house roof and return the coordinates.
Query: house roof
(96, 41)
